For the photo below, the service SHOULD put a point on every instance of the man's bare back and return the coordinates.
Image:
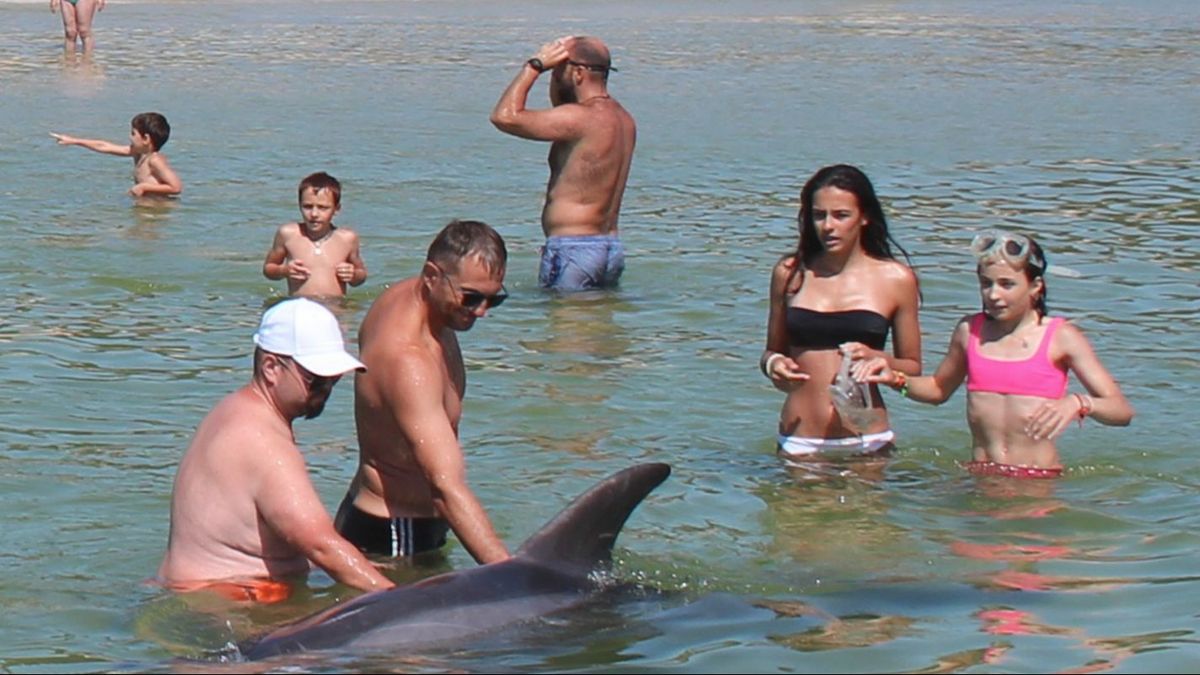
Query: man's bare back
(588, 174)
(230, 541)
(592, 142)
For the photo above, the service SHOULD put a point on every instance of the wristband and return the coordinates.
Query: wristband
(900, 383)
(536, 64)
(770, 360)
(1085, 407)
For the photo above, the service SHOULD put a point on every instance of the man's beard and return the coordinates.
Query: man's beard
(313, 407)
(565, 93)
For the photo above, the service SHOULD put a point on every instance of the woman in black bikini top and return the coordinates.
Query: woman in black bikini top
(842, 291)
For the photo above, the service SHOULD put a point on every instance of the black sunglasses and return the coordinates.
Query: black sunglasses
(471, 299)
(313, 381)
(599, 68)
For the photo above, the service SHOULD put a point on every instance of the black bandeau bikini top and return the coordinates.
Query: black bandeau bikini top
(810, 329)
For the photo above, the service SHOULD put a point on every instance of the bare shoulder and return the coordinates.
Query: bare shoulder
(289, 230)
(345, 234)
(240, 421)
(785, 267)
(895, 271)
(785, 271)
(962, 329)
(407, 371)
(1070, 337)
(897, 277)
(157, 162)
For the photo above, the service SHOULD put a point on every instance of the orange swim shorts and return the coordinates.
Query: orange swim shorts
(264, 591)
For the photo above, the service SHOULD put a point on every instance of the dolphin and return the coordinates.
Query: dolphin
(556, 568)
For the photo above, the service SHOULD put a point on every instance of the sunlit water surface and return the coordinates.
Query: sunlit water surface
(121, 326)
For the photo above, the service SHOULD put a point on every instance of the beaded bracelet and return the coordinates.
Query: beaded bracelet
(1085, 407)
(900, 383)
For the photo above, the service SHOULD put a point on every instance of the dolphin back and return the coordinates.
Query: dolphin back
(547, 573)
(582, 535)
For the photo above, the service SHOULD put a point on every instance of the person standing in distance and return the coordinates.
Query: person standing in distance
(592, 139)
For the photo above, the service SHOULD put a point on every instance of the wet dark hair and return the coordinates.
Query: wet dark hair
(464, 238)
(153, 125)
(875, 237)
(321, 181)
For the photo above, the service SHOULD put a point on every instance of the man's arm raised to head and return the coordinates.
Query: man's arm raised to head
(289, 504)
(560, 123)
(416, 394)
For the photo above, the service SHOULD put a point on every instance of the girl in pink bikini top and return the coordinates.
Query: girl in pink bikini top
(1015, 361)
(1037, 375)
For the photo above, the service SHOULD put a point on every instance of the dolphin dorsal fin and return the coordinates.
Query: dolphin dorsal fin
(582, 535)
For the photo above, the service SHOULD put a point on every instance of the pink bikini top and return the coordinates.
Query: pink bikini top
(1034, 376)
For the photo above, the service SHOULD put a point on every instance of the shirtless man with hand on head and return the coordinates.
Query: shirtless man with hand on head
(244, 514)
(592, 139)
(411, 485)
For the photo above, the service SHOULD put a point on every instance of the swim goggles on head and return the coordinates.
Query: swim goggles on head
(1013, 249)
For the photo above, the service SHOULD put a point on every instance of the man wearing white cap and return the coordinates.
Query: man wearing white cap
(244, 514)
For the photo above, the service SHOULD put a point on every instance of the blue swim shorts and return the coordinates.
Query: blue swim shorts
(581, 263)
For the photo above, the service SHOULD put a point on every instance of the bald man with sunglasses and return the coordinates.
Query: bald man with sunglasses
(411, 485)
(592, 139)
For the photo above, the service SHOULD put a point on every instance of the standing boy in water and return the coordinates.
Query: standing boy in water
(152, 174)
(317, 257)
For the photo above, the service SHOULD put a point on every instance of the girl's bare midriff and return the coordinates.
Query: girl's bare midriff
(808, 411)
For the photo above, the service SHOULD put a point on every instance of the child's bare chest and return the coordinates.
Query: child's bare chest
(1015, 346)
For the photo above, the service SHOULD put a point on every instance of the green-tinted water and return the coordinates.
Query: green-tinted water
(121, 326)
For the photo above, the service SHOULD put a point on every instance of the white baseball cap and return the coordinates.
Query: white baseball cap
(309, 333)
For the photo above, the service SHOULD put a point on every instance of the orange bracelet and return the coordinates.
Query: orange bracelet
(900, 384)
(1085, 408)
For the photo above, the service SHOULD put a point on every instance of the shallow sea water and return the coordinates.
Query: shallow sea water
(122, 325)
